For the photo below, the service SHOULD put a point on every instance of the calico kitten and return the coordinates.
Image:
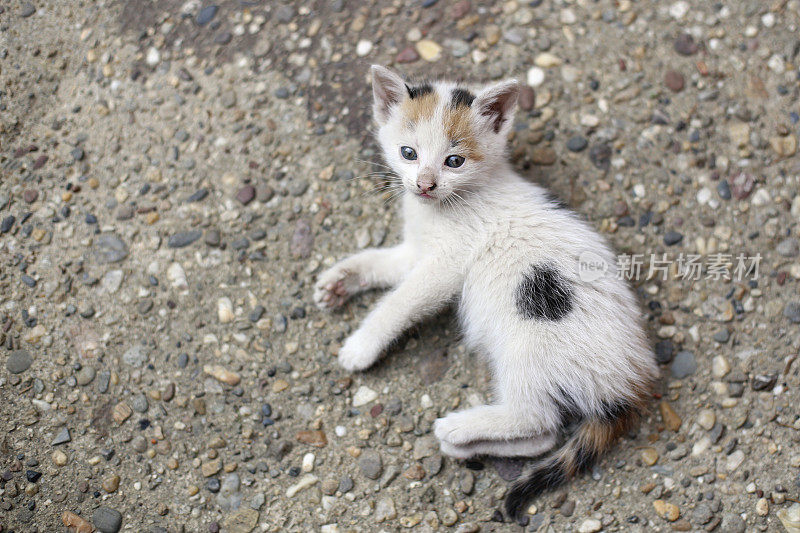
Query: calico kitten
(571, 363)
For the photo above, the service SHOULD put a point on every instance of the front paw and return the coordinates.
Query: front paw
(334, 287)
(358, 353)
(453, 429)
(456, 452)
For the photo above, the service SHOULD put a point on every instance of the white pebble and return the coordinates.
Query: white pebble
(304, 483)
(735, 460)
(590, 121)
(678, 10)
(340, 431)
(706, 419)
(768, 20)
(425, 402)
(363, 48)
(363, 396)
(308, 462)
(535, 76)
(776, 64)
(590, 525)
(703, 196)
(568, 16)
(225, 310)
(153, 56)
(720, 367)
(414, 35)
(701, 446)
(177, 276)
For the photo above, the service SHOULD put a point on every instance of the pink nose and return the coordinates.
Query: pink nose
(426, 186)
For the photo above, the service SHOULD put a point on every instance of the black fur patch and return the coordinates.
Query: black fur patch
(543, 294)
(557, 202)
(461, 97)
(547, 477)
(610, 411)
(419, 90)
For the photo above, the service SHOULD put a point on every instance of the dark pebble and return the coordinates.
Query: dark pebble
(206, 15)
(672, 237)
(110, 249)
(664, 351)
(198, 195)
(407, 55)
(183, 360)
(674, 81)
(722, 336)
(27, 10)
(764, 382)
(107, 520)
(345, 484)
(18, 362)
(30, 195)
(683, 365)
(184, 238)
(240, 244)
(600, 156)
(213, 238)
(246, 194)
(32, 475)
(77, 153)
(302, 240)
(256, 314)
(40, 161)
(281, 93)
(7, 224)
(527, 98)
(63, 437)
(742, 185)
(223, 38)
(27, 280)
(507, 468)
(724, 190)
(577, 143)
(213, 485)
(685, 45)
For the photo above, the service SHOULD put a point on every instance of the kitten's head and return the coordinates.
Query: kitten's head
(440, 138)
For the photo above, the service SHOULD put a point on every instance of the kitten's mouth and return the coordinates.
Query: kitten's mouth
(425, 195)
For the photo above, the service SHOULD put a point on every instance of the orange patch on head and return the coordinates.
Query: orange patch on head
(458, 127)
(419, 108)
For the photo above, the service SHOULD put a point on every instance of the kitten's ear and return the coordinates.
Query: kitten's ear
(388, 89)
(496, 104)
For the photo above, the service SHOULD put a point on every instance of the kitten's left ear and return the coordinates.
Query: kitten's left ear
(496, 105)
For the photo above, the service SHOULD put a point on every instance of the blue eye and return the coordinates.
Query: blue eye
(454, 161)
(408, 153)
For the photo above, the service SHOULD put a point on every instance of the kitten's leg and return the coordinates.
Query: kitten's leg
(372, 268)
(426, 289)
(530, 447)
(487, 423)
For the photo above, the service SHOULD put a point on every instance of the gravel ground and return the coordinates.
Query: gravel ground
(174, 174)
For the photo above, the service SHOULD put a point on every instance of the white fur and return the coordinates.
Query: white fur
(473, 243)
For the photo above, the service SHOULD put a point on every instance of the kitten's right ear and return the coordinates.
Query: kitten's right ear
(388, 89)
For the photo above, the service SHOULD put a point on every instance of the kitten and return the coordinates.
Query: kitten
(571, 364)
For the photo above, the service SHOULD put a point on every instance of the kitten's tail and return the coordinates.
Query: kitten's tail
(592, 438)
